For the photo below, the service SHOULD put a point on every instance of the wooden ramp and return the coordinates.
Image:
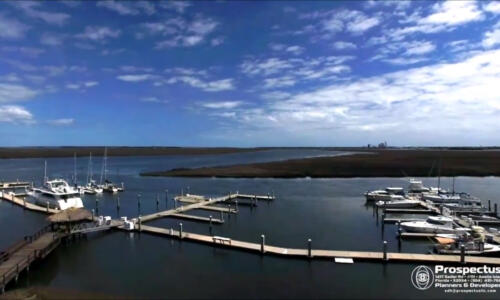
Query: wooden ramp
(27, 205)
(328, 254)
(35, 247)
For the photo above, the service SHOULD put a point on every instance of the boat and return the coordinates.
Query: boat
(57, 194)
(381, 195)
(108, 186)
(416, 186)
(434, 224)
(404, 203)
(91, 188)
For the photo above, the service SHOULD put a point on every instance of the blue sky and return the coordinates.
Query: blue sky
(250, 73)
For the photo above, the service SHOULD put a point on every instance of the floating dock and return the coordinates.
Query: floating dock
(319, 254)
(25, 204)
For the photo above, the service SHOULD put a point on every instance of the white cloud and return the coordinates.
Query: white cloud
(28, 51)
(128, 7)
(81, 85)
(61, 122)
(97, 33)
(181, 32)
(15, 92)
(135, 77)
(342, 45)
(153, 100)
(279, 82)
(15, 114)
(32, 9)
(295, 49)
(453, 13)
(50, 39)
(405, 60)
(491, 38)
(419, 48)
(208, 86)
(441, 98)
(222, 105)
(11, 28)
(492, 7)
(179, 6)
(361, 24)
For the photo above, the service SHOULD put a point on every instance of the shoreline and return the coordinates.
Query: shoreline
(377, 163)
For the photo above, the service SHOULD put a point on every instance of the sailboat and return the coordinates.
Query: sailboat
(107, 185)
(91, 188)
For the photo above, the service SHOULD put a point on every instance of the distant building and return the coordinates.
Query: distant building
(382, 145)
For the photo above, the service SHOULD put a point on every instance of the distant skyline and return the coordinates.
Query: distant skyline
(249, 73)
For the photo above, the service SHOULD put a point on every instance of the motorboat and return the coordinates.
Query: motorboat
(381, 195)
(57, 194)
(92, 188)
(109, 187)
(416, 186)
(434, 224)
(404, 203)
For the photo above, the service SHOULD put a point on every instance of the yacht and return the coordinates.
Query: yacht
(92, 188)
(58, 194)
(401, 203)
(416, 186)
(433, 224)
(381, 195)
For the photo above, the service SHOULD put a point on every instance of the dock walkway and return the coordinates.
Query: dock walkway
(25, 253)
(27, 205)
(324, 254)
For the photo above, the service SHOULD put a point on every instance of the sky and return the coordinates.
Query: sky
(250, 73)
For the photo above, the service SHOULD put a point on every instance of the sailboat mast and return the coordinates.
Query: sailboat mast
(439, 177)
(74, 169)
(45, 173)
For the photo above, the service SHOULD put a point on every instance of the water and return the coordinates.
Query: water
(332, 212)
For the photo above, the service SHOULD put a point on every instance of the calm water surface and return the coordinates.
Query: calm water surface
(332, 212)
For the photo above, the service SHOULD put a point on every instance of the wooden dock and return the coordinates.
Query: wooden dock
(14, 185)
(196, 218)
(207, 207)
(25, 204)
(320, 254)
(23, 254)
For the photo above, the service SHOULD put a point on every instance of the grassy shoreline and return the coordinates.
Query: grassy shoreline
(376, 163)
(38, 152)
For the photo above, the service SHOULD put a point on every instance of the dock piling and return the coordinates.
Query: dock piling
(210, 226)
(385, 251)
(262, 243)
(93, 215)
(489, 205)
(47, 206)
(309, 248)
(236, 205)
(157, 201)
(221, 215)
(24, 202)
(462, 253)
(166, 199)
(139, 220)
(139, 202)
(180, 230)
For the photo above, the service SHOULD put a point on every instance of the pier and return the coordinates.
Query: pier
(27, 205)
(21, 255)
(310, 253)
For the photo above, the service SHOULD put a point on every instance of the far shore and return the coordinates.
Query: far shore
(375, 163)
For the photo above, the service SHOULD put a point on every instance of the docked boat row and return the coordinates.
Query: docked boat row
(59, 194)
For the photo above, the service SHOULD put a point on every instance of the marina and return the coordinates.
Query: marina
(161, 216)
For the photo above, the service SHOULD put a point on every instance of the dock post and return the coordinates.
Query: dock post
(47, 206)
(489, 205)
(171, 232)
(96, 204)
(157, 201)
(262, 243)
(180, 230)
(175, 203)
(210, 226)
(118, 203)
(139, 202)
(255, 201)
(221, 216)
(309, 248)
(166, 199)
(385, 251)
(462, 253)
(236, 205)
(24, 202)
(139, 219)
(228, 210)
(93, 215)
(481, 246)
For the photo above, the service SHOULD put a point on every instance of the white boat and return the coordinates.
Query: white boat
(405, 203)
(416, 186)
(92, 188)
(58, 194)
(471, 248)
(433, 224)
(441, 198)
(381, 195)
